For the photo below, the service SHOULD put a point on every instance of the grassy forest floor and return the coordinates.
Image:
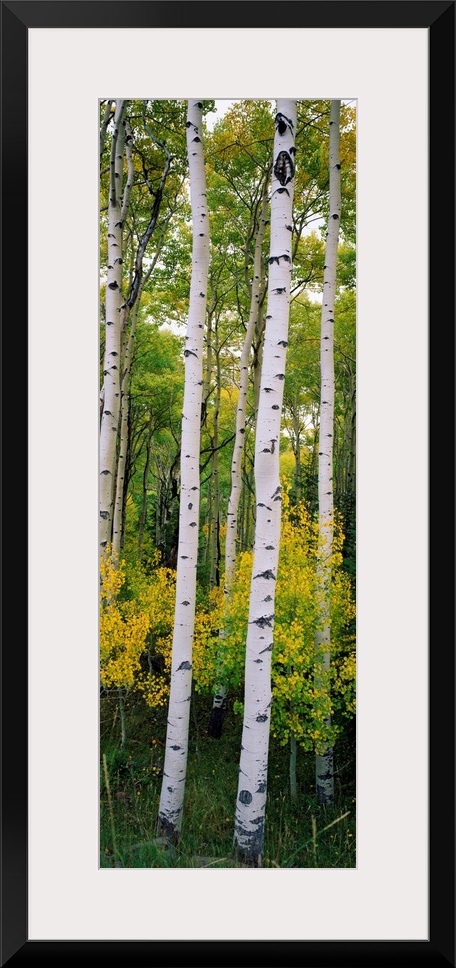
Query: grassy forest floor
(298, 833)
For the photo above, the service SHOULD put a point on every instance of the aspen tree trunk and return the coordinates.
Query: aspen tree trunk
(104, 126)
(324, 767)
(215, 517)
(251, 796)
(123, 448)
(174, 772)
(219, 701)
(114, 315)
(146, 473)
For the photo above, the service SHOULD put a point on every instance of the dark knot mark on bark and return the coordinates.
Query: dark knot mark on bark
(284, 167)
(113, 285)
(190, 507)
(268, 598)
(245, 797)
(261, 718)
(289, 228)
(276, 258)
(184, 666)
(275, 406)
(335, 216)
(262, 622)
(261, 787)
(280, 290)
(105, 472)
(175, 748)
(197, 139)
(326, 776)
(192, 524)
(185, 603)
(190, 353)
(104, 515)
(261, 505)
(282, 123)
(268, 389)
(267, 649)
(266, 574)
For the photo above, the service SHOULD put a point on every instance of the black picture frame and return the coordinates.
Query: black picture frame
(17, 16)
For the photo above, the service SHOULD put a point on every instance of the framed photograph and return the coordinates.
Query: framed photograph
(395, 60)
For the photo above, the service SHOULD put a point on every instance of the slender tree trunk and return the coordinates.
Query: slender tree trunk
(117, 530)
(215, 543)
(119, 504)
(293, 784)
(297, 451)
(208, 521)
(251, 796)
(175, 767)
(351, 464)
(123, 720)
(104, 126)
(324, 777)
(219, 701)
(143, 514)
(114, 314)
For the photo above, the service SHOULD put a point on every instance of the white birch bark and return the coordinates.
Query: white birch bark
(114, 314)
(251, 796)
(324, 769)
(175, 766)
(220, 693)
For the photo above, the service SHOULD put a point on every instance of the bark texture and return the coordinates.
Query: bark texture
(324, 768)
(175, 766)
(114, 313)
(251, 796)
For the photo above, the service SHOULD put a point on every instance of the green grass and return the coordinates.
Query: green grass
(298, 833)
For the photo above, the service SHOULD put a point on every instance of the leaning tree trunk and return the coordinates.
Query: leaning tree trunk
(174, 772)
(114, 314)
(324, 768)
(220, 692)
(251, 796)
